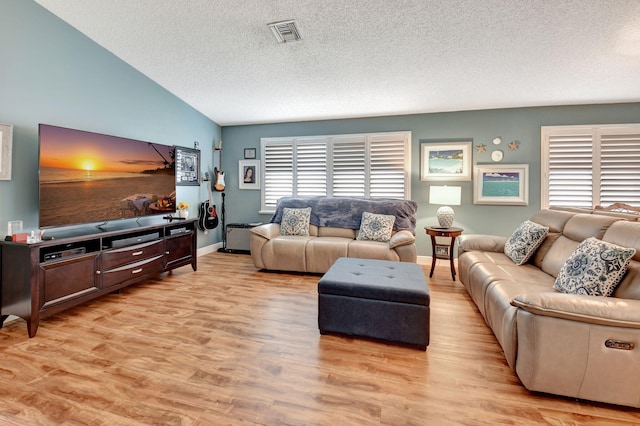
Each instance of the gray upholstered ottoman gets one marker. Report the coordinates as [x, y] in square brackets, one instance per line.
[379, 299]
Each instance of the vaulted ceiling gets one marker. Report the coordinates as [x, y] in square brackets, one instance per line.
[362, 58]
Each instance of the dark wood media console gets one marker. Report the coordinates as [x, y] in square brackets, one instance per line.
[45, 278]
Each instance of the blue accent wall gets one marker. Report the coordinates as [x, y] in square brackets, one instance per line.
[53, 74]
[520, 124]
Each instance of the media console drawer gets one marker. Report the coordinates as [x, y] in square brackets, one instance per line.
[132, 271]
[122, 256]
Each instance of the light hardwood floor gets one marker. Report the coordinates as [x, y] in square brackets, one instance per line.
[229, 344]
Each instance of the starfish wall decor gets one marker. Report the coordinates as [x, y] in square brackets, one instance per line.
[513, 146]
[481, 148]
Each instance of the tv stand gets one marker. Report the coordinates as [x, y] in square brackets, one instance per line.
[42, 279]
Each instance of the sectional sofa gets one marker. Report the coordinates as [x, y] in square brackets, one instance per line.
[577, 345]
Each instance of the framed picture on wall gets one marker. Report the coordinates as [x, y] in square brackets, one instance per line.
[6, 142]
[187, 161]
[249, 153]
[504, 184]
[249, 174]
[445, 161]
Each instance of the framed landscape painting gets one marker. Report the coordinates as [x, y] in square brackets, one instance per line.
[449, 161]
[504, 184]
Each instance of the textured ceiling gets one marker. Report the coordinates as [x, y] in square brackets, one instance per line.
[362, 58]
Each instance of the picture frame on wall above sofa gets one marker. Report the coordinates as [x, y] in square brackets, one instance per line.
[187, 166]
[445, 161]
[504, 184]
[6, 143]
[249, 174]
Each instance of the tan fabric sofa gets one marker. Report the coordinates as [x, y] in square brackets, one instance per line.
[318, 251]
[579, 346]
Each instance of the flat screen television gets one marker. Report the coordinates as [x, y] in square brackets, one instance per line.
[89, 177]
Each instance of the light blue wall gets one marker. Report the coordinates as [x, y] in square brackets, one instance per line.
[522, 125]
[50, 73]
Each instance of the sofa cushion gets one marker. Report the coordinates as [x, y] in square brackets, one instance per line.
[524, 241]
[376, 227]
[595, 268]
[295, 221]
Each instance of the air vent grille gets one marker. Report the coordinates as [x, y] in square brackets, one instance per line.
[285, 31]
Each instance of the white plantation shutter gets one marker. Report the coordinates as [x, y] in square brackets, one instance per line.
[278, 171]
[586, 166]
[364, 165]
[387, 166]
[311, 168]
[348, 177]
[620, 168]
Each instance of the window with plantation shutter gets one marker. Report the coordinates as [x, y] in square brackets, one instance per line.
[363, 165]
[587, 166]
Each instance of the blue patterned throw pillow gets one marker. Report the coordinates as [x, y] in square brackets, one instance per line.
[376, 227]
[524, 241]
[295, 221]
[595, 268]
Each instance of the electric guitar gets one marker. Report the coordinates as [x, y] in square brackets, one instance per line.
[207, 217]
[219, 184]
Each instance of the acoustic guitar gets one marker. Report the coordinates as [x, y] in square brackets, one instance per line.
[207, 217]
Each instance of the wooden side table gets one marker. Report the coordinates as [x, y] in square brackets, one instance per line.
[441, 251]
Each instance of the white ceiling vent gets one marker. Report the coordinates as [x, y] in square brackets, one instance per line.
[285, 31]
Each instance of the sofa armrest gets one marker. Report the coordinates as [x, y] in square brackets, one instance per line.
[481, 242]
[610, 311]
[401, 238]
[267, 231]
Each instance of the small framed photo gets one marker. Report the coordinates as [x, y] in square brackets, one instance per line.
[249, 174]
[445, 161]
[504, 184]
[442, 251]
[250, 153]
[187, 161]
[6, 143]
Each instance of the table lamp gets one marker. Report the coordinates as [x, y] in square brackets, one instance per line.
[445, 196]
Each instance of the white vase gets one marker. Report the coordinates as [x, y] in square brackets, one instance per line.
[184, 213]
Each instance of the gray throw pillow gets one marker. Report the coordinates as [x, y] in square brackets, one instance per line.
[295, 221]
[595, 268]
[524, 241]
[376, 227]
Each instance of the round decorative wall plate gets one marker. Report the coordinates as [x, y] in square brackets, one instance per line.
[497, 155]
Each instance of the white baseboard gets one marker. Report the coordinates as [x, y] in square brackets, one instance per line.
[209, 249]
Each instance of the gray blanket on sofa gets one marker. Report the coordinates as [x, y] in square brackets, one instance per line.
[342, 212]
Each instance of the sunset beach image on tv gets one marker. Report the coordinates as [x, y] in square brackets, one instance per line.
[90, 177]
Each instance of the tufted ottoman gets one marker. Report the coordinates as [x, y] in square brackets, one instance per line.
[378, 299]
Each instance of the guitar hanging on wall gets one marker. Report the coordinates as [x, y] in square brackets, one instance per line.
[207, 217]
[218, 174]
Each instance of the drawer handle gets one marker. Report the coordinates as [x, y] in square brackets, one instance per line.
[619, 344]
[136, 271]
[137, 253]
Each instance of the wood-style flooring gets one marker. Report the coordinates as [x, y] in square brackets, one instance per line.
[232, 345]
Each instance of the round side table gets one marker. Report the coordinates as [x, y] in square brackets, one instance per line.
[441, 251]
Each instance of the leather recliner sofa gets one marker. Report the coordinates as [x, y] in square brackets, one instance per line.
[580, 346]
[331, 237]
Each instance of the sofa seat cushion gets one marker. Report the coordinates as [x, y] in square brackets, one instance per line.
[286, 253]
[322, 252]
[479, 269]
